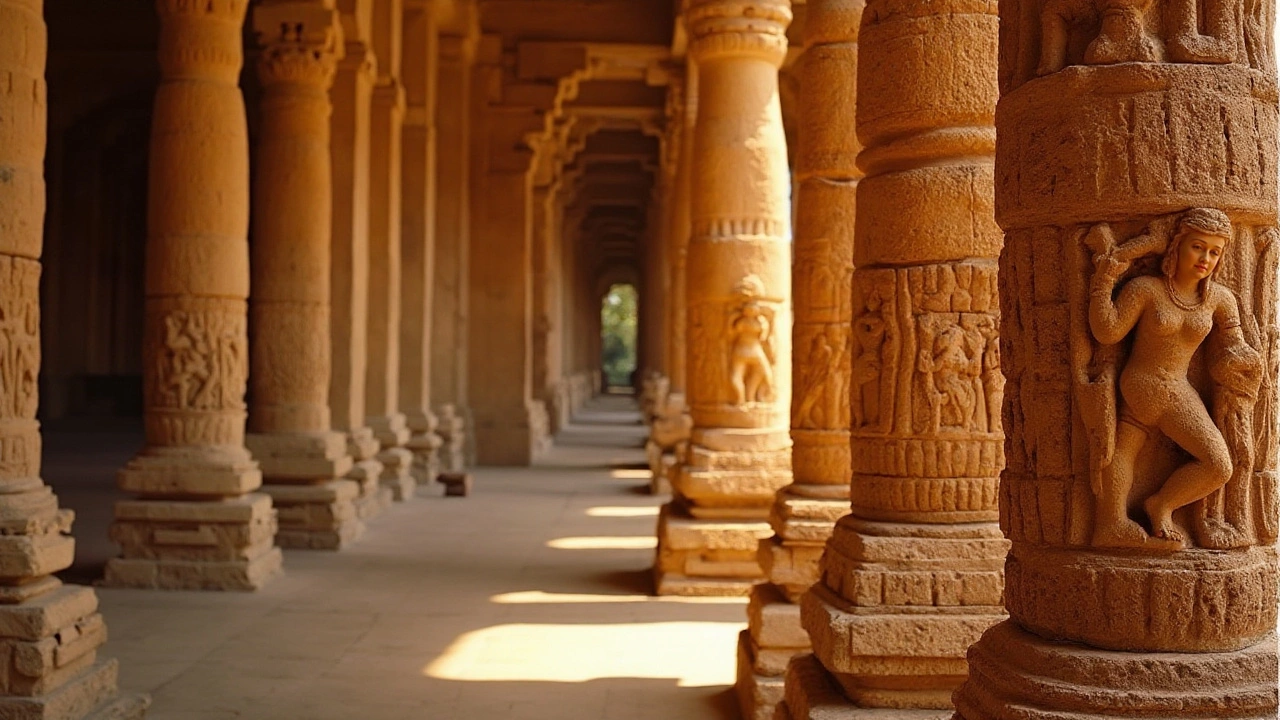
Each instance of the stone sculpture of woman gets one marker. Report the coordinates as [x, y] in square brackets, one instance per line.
[1170, 316]
[751, 355]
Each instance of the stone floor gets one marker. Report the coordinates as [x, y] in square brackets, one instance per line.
[528, 600]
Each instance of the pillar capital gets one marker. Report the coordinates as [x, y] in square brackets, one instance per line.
[201, 38]
[301, 41]
[751, 28]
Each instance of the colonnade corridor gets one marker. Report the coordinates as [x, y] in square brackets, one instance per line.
[528, 599]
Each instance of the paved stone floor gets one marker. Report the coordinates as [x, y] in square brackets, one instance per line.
[526, 601]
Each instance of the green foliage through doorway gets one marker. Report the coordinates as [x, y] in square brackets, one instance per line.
[618, 335]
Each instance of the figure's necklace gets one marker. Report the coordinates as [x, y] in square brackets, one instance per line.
[1173, 295]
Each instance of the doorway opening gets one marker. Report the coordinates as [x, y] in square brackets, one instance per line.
[618, 316]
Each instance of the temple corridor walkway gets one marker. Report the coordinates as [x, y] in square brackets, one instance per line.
[527, 600]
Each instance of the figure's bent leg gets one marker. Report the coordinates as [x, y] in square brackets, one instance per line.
[1193, 430]
[1112, 526]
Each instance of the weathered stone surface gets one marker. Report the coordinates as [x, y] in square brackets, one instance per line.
[1138, 280]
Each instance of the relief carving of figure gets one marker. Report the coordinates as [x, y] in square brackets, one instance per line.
[1121, 37]
[751, 345]
[1168, 317]
[820, 366]
[952, 366]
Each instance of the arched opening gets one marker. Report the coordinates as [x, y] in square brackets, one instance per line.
[618, 319]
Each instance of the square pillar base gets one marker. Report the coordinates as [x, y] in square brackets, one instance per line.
[397, 476]
[89, 694]
[812, 694]
[316, 517]
[191, 545]
[373, 498]
[707, 557]
[758, 693]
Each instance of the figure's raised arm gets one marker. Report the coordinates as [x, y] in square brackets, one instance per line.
[1110, 320]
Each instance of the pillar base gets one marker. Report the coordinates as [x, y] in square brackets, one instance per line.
[396, 476]
[451, 428]
[700, 557]
[1015, 675]
[316, 517]
[426, 457]
[90, 694]
[773, 636]
[191, 470]
[812, 694]
[373, 498]
[188, 545]
[300, 457]
[758, 694]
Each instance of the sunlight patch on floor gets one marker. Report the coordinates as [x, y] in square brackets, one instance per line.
[628, 474]
[538, 597]
[636, 542]
[695, 654]
[622, 511]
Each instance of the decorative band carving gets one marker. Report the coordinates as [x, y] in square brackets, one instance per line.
[876, 494]
[723, 228]
[1192, 601]
[927, 457]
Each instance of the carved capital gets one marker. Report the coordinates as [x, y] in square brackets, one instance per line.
[301, 41]
[227, 10]
[739, 27]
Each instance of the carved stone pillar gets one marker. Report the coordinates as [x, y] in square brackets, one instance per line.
[303, 460]
[382, 389]
[51, 632]
[198, 522]
[739, 313]
[452, 249]
[349, 273]
[417, 241]
[804, 513]
[1140, 494]
[913, 575]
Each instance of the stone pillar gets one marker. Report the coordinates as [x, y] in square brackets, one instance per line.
[739, 306]
[804, 513]
[349, 272]
[198, 522]
[417, 242]
[303, 460]
[452, 249]
[913, 575]
[50, 632]
[1140, 494]
[501, 334]
[686, 86]
[382, 374]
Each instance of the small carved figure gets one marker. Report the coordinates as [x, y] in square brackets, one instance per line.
[751, 343]
[869, 333]
[1170, 316]
[819, 367]
[1121, 38]
[950, 373]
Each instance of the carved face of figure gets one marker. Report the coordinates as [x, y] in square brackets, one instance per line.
[1198, 256]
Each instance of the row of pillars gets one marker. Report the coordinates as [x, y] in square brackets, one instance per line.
[1031, 468]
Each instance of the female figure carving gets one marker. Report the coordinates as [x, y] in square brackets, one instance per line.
[1170, 316]
[751, 354]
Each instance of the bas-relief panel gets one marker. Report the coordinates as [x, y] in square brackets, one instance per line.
[1069, 406]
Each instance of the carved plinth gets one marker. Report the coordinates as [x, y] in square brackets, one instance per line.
[180, 545]
[425, 443]
[316, 517]
[1016, 675]
[699, 556]
[811, 694]
[453, 435]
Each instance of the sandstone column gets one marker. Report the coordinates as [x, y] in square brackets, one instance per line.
[417, 241]
[739, 295]
[452, 241]
[198, 522]
[804, 513]
[382, 374]
[913, 575]
[349, 272]
[1140, 494]
[303, 461]
[51, 632]
[509, 427]
[671, 423]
